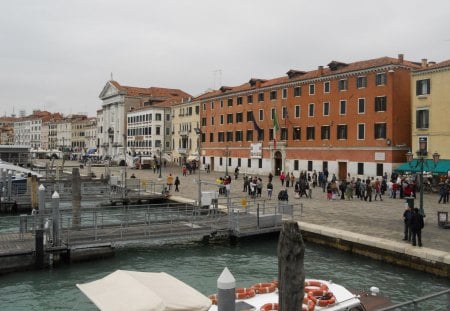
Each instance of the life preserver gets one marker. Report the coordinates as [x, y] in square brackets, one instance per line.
[244, 293]
[322, 298]
[264, 288]
[315, 285]
[308, 304]
[213, 299]
[269, 307]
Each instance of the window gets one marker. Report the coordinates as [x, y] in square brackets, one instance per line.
[221, 137]
[271, 134]
[361, 105]
[220, 161]
[423, 87]
[284, 133]
[239, 100]
[342, 107]
[229, 136]
[239, 162]
[221, 119]
[380, 130]
[197, 109]
[284, 113]
[297, 91]
[230, 118]
[259, 163]
[260, 97]
[211, 137]
[249, 135]
[261, 135]
[326, 87]
[273, 95]
[239, 117]
[273, 112]
[249, 116]
[324, 166]
[325, 132]
[204, 106]
[250, 99]
[311, 110]
[212, 120]
[310, 165]
[361, 82]
[361, 130]
[342, 131]
[284, 93]
[326, 109]
[295, 165]
[297, 111]
[296, 133]
[158, 130]
[360, 168]
[380, 79]
[342, 85]
[380, 103]
[261, 115]
[212, 106]
[203, 121]
[158, 117]
[239, 135]
[312, 89]
[230, 102]
[221, 104]
[422, 118]
[310, 133]
[249, 162]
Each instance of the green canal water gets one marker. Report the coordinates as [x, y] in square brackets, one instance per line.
[250, 261]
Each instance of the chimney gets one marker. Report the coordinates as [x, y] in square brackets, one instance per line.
[320, 70]
[400, 58]
[424, 63]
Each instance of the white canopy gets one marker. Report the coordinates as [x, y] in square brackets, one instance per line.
[131, 290]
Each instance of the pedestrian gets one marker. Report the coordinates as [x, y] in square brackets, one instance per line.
[269, 190]
[282, 178]
[184, 170]
[177, 183]
[407, 215]
[169, 181]
[270, 177]
[292, 179]
[417, 225]
[236, 173]
[259, 186]
[442, 193]
[132, 176]
[378, 190]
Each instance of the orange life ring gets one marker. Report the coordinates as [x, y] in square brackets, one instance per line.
[264, 288]
[315, 285]
[269, 307]
[244, 293]
[213, 299]
[308, 305]
[322, 298]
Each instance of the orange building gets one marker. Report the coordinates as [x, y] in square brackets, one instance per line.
[350, 119]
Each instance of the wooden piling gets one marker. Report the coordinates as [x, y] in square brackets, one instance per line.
[291, 272]
[76, 197]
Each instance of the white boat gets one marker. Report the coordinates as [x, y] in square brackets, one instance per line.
[319, 295]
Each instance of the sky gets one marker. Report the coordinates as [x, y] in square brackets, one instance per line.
[58, 55]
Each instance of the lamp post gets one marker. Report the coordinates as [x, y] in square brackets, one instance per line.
[226, 160]
[421, 162]
[160, 162]
[199, 145]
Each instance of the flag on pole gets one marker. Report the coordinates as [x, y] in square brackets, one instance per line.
[276, 127]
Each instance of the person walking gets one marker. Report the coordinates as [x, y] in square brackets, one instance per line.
[417, 225]
[177, 183]
[442, 193]
[282, 178]
[269, 190]
[378, 190]
[169, 181]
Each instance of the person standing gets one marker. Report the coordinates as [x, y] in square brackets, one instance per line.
[282, 178]
[269, 189]
[442, 193]
[177, 183]
[407, 215]
[417, 225]
[378, 190]
[169, 181]
[184, 170]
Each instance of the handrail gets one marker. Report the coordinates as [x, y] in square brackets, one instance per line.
[415, 302]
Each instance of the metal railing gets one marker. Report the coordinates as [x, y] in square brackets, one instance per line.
[424, 303]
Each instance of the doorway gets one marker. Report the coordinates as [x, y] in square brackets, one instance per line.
[278, 162]
[211, 164]
[342, 170]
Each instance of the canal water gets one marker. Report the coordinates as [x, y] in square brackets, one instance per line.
[250, 261]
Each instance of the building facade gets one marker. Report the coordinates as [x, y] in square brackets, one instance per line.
[349, 119]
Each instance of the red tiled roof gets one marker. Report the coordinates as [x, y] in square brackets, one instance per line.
[343, 68]
[445, 63]
[150, 91]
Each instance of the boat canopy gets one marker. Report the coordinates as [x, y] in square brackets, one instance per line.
[152, 291]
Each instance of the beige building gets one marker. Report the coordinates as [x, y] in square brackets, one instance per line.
[185, 118]
[431, 109]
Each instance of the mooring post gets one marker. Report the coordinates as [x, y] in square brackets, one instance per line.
[41, 205]
[76, 197]
[34, 192]
[291, 272]
[226, 291]
[9, 185]
[39, 247]
[3, 190]
[55, 218]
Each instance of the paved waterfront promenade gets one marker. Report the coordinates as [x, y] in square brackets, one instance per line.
[376, 223]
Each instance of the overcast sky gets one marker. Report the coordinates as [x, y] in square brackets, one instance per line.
[58, 55]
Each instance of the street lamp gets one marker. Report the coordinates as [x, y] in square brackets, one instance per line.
[420, 162]
[199, 144]
[160, 162]
[226, 160]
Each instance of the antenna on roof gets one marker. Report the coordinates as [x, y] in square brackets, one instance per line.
[112, 77]
[217, 73]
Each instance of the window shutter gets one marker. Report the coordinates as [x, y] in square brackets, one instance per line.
[417, 87]
[428, 86]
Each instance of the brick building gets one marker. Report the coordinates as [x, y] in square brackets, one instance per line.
[348, 118]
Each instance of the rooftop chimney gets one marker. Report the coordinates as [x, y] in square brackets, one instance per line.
[400, 58]
[424, 63]
[320, 70]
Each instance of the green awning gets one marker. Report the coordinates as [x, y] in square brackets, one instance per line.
[414, 166]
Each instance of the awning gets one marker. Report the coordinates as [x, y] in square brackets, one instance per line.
[92, 151]
[132, 290]
[441, 168]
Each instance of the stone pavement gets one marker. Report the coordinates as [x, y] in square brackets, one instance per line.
[376, 223]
